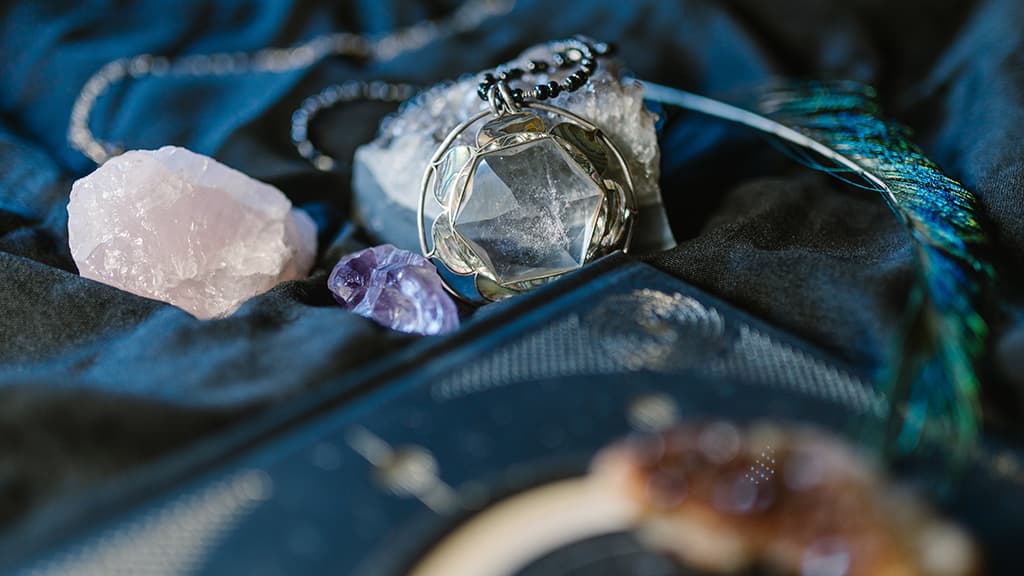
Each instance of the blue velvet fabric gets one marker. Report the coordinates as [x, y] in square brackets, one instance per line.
[94, 381]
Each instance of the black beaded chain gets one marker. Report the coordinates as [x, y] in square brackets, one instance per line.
[580, 52]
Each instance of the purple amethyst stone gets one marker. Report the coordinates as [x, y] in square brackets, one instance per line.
[394, 288]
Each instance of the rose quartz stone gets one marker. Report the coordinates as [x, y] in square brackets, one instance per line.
[180, 227]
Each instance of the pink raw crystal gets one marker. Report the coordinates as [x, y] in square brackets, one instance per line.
[180, 227]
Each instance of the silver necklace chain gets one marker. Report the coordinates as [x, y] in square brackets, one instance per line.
[332, 96]
[579, 52]
[277, 60]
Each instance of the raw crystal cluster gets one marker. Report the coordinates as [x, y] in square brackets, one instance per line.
[388, 171]
[394, 288]
[730, 500]
[180, 227]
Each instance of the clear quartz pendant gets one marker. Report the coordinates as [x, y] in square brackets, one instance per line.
[527, 204]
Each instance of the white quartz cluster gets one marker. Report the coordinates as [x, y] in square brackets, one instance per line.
[388, 171]
[180, 227]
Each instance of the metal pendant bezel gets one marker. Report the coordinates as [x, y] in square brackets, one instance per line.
[451, 170]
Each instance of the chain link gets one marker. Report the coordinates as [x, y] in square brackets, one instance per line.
[275, 60]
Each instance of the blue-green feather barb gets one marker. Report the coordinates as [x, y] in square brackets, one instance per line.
[933, 381]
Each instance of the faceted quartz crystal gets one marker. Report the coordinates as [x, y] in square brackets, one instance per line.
[180, 227]
[529, 211]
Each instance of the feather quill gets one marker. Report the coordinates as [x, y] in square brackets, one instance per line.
[933, 382]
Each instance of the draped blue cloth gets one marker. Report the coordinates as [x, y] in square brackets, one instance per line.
[94, 381]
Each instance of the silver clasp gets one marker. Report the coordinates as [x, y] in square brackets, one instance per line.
[500, 97]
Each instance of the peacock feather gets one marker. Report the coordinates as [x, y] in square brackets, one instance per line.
[933, 380]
